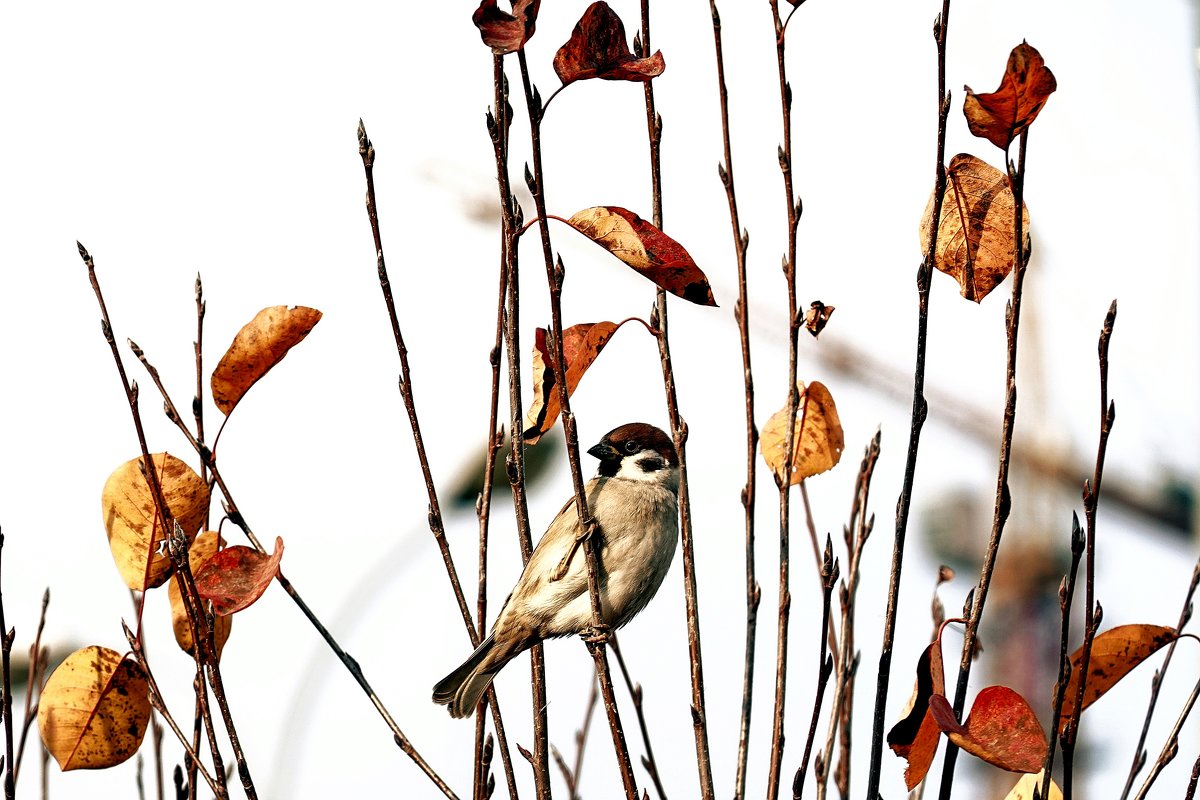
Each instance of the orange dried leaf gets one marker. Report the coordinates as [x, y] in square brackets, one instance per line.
[1004, 114]
[1115, 653]
[582, 344]
[916, 737]
[235, 577]
[131, 520]
[645, 248]
[94, 709]
[1001, 729]
[502, 31]
[1025, 788]
[817, 317]
[975, 233]
[818, 436]
[597, 49]
[259, 345]
[204, 548]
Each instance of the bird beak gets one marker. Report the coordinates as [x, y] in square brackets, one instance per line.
[604, 452]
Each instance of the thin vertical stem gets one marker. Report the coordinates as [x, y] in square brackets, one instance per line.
[555, 273]
[829, 576]
[679, 433]
[920, 410]
[6, 642]
[741, 312]
[1003, 504]
[794, 208]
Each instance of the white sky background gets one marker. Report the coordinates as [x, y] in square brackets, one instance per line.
[172, 141]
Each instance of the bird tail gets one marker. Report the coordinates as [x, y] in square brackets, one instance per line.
[462, 688]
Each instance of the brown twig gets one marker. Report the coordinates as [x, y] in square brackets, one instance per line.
[198, 399]
[818, 563]
[217, 785]
[555, 273]
[679, 433]
[1091, 499]
[499, 120]
[855, 534]
[741, 313]
[1191, 789]
[37, 666]
[794, 209]
[829, 578]
[1170, 747]
[204, 646]
[1066, 597]
[581, 735]
[6, 642]
[1139, 758]
[920, 410]
[1003, 504]
[635, 692]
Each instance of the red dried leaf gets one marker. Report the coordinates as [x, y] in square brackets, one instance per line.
[581, 346]
[597, 49]
[237, 576]
[502, 31]
[1115, 653]
[1004, 114]
[645, 248]
[1001, 729]
[915, 737]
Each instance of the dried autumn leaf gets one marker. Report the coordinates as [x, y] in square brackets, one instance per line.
[1001, 729]
[975, 234]
[1028, 783]
[915, 738]
[1115, 653]
[135, 530]
[94, 709]
[204, 548]
[818, 443]
[597, 49]
[645, 248]
[1004, 114]
[235, 577]
[817, 317]
[504, 32]
[582, 344]
[259, 345]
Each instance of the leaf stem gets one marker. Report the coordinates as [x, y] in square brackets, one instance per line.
[920, 410]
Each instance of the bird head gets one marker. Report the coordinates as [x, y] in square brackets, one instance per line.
[637, 451]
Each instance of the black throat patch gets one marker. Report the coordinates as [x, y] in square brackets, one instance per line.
[609, 467]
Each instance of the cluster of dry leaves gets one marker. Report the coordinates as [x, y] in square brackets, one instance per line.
[95, 707]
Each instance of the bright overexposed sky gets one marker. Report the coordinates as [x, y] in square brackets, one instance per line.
[174, 139]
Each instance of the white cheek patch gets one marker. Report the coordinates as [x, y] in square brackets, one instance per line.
[647, 466]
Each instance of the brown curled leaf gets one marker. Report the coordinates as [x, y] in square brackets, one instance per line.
[504, 32]
[819, 441]
[94, 709]
[817, 317]
[975, 234]
[1001, 116]
[645, 248]
[259, 345]
[582, 344]
[1115, 653]
[916, 736]
[597, 49]
[235, 577]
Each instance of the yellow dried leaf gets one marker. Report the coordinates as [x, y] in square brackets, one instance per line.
[1024, 788]
[135, 531]
[818, 436]
[259, 345]
[204, 548]
[975, 234]
[94, 709]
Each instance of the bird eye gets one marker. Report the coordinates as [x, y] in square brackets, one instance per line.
[631, 446]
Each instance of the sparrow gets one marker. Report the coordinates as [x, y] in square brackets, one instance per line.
[634, 499]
